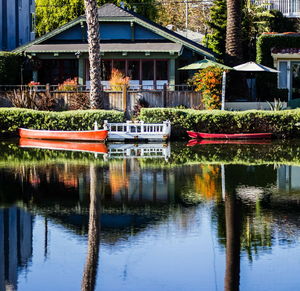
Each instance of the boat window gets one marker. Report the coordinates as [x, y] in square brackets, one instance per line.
[132, 129]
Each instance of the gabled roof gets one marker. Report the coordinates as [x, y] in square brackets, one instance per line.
[111, 12]
[108, 47]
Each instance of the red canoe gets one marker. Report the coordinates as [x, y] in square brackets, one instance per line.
[63, 145]
[202, 135]
[194, 142]
[90, 135]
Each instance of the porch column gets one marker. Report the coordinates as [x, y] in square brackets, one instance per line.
[172, 74]
[81, 71]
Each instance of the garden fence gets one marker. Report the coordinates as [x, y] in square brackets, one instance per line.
[124, 100]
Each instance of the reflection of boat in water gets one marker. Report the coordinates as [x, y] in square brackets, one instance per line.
[64, 145]
[194, 142]
[203, 135]
[154, 150]
[89, 135]
[148, 150]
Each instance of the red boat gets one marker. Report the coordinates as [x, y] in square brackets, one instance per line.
[202, 135]
[64, 145]
[194, 142]
[90, 135]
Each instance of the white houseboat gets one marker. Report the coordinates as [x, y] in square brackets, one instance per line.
[138, 131]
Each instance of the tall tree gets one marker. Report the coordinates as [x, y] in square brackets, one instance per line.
[216, 37]
[51, 14]
[92, 21]
[234, 32]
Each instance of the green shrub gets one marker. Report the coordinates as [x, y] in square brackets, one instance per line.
[268, 41]
[10, 68]
[281, 123]
[13, 118]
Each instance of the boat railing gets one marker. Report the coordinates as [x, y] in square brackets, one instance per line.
[139, 127]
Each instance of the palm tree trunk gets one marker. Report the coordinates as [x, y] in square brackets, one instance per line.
[94, 53]
[91, 265]
[234, 51]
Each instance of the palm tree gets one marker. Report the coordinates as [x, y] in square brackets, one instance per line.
[94, 53]
[234, 32]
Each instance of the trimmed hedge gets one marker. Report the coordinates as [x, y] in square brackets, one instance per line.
[13, 118]
[10, 68]
[268, 41]
[281, 123]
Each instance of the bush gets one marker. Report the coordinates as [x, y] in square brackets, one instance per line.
[209, 82]
[118, 80]
[13, 118]
[281, 123]
[10, 68]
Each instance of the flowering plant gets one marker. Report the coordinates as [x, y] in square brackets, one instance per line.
[68, 85]
[209, 82]
[118, 80]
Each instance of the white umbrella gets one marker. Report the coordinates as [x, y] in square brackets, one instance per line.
[254, 67]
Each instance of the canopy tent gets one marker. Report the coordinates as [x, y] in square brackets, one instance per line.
[204, 64]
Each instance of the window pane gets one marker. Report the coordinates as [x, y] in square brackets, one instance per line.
[161, 70]
[148, 72]
[134, 70]
[106, 70]
[283, 75]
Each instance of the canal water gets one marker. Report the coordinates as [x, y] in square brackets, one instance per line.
[150, 217]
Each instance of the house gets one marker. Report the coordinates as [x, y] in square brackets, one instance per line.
[284, 50]
[16, 23]
[143, 50]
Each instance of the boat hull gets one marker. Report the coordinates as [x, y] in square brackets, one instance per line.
[194, 142]
[202, 135]
[89, 135]
[91, 147]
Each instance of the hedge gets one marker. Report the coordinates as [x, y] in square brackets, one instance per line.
[10, 68]
[284, 123]
[268, 41]
[13, 118]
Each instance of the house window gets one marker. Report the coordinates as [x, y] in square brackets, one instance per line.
[283, 75]
[106, 69]
[161, 70]
[148, 70]
[133, 70]
[119, 65]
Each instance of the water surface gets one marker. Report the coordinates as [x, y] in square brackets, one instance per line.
[152, 217]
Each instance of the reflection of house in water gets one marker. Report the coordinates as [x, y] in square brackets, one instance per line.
[128, 182]
[15, 245]
[288, 178]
